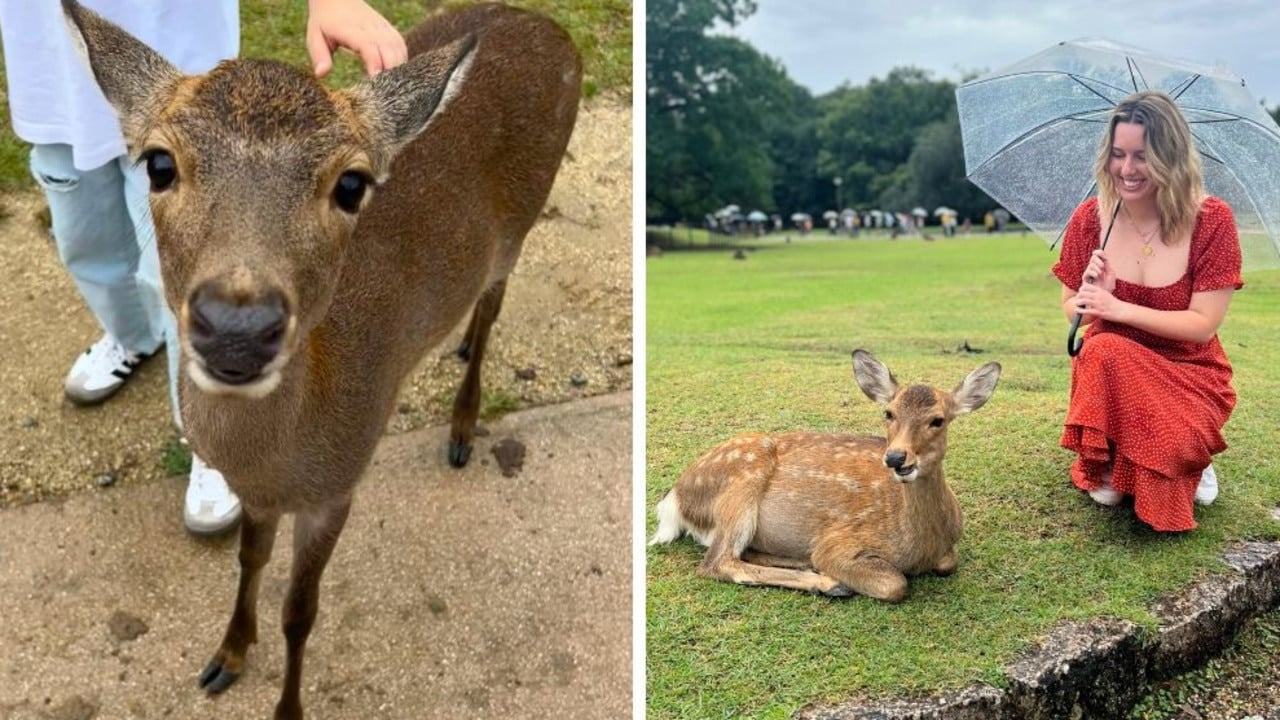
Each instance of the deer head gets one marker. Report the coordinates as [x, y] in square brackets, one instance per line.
[917, 416]
[258, 176]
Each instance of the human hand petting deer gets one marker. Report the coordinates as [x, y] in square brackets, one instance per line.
[354, 25]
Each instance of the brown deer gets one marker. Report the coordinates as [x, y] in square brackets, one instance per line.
[832, 513]
[315, 243]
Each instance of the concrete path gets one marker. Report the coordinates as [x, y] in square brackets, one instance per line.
[451, 593]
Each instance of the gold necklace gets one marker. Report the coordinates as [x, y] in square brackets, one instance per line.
[1145, 237]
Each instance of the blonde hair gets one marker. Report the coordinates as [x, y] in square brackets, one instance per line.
[1172, 162]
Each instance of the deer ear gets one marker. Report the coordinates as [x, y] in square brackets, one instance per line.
[976, 389]
[873, 377]
[128, 72]
[399, 103]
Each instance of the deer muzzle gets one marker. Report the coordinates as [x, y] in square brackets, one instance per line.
[899, 462]
[236, 344]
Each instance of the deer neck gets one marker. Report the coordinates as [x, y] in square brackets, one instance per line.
[242, 436]
[931, 518]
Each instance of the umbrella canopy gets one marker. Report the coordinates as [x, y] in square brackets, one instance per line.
[799, 217]
[1031, 133]
[848, 212]
[920, 212]
[944, 210]
[757, 216]
[828, 215]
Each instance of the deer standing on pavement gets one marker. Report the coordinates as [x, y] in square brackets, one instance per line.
[832, 513]
[315, 243]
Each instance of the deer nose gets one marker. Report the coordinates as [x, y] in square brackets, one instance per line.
[894, 459]
[235, 341]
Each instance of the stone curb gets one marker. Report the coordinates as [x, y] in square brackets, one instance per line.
[1099, 669]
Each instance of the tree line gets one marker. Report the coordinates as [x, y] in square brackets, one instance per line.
[726, 125]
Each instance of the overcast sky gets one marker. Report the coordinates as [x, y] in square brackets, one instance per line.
[823, 43]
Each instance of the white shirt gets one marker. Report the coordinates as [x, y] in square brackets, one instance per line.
[52, 95]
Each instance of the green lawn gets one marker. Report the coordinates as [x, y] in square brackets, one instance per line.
[763, 344]
[274, 29]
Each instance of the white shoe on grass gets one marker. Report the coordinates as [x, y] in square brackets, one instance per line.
[1105, 494]
[1207, 490]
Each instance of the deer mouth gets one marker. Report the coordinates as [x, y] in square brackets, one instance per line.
[906, 473]
[229, 381]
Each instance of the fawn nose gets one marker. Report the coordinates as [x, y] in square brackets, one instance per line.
[235, 341]
[895, 459]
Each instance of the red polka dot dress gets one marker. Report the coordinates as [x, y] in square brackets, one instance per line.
[1151, 407]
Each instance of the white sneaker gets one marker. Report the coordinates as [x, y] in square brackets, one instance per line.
[210, 507]
[100, 371]
[1207, 490]
[1106, 495]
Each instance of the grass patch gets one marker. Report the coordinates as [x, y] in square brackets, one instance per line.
[175, 457]
[275, 29]
[496, 403]
[764, 344]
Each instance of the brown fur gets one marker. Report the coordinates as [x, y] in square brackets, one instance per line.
[823, 512]
[259, 148]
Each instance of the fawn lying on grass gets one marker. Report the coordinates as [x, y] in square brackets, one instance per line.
[316, 243]
[832, 513]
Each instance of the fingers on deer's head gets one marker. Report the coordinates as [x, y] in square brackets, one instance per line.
[258, 175]
[917, 416]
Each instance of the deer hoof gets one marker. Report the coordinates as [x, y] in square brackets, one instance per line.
[216, 678]
[839, 590]
[459, 453]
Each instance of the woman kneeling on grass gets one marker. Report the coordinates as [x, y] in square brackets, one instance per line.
[1151, 387]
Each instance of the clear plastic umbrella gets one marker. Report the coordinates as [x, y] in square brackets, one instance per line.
[1031, 133]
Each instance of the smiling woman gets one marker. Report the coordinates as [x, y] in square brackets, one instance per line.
[1151, 389]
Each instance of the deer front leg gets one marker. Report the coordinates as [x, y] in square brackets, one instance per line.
[257, 536]
[865, 574]
[947, 564]
[466, 406]
[315, 533]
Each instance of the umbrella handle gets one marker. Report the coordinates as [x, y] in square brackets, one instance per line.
[1073, 346]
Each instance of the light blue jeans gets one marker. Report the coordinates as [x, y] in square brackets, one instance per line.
[102, 227]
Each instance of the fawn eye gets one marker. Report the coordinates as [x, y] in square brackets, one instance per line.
[350, 190]
[161, 169]
[888, 415]
[937, 422]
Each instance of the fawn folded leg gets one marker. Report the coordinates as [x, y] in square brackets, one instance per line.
[947, 564]
[257, 536]
[723, 560]
[755, 557]
[864, 573]
[315, 533]
[466, 406]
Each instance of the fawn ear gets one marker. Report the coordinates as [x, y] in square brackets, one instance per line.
[399, 103]
[873, 377]
[129, 73]
[974, 391]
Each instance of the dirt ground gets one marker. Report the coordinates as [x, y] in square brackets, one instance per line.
[567, 317]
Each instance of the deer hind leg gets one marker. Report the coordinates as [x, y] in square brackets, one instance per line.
[466, 406]
[314, 536]
[755, 557]
[724, 560]
[257, 536]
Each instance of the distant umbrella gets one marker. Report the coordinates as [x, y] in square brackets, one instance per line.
[920, 212]
[944, 210]
[757, 216]
[830, 214]
[800, 217]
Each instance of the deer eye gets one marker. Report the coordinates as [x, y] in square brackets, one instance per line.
[161, 169]
[350, 190]
[888, 416]
[937, 422]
